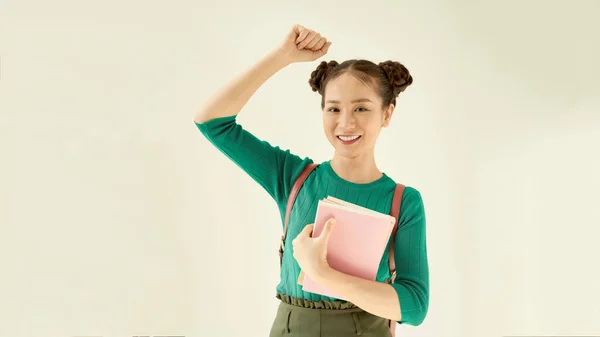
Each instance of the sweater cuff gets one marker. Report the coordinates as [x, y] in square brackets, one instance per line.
[412, 308]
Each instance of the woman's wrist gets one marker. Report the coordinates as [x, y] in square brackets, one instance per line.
[278, 58]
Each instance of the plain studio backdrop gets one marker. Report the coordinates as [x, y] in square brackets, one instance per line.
[119, 219]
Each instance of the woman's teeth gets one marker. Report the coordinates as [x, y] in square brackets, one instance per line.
[348, 138]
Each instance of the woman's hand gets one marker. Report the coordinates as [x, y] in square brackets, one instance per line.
[311, 253]
[303, 45]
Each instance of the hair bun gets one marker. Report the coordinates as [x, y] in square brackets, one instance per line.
[318, 76]
[398, 76]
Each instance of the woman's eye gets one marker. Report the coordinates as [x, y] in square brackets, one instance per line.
[337, 110]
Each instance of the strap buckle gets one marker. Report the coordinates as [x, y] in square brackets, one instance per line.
[392, 277]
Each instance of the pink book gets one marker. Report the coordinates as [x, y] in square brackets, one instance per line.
[356, 244]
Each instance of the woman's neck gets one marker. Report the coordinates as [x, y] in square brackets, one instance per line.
[359, 170]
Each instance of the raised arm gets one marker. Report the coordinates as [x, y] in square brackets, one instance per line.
[272, 168]
[229, 100]
[300, 45]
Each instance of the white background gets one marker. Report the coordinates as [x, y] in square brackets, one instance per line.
[118, 218]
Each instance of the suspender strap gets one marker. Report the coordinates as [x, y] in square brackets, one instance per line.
[291, 199]
[395, 212]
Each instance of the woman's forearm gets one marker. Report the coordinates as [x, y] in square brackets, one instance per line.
[230, 99]
[377, 298]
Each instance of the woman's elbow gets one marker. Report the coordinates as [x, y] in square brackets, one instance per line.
[417, 307]
[417, 317]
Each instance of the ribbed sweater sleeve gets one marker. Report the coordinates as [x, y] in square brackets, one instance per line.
[271, 167]
[410, 256]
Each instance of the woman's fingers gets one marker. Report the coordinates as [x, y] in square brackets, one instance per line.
[309, 38]
[317, 44]
[302, 34]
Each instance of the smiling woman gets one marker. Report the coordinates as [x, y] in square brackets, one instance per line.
[352, 127]
[358, 100]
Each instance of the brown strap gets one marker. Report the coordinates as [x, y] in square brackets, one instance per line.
[395, 212]
[290, 203]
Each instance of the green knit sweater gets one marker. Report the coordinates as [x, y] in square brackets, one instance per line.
[276, 170]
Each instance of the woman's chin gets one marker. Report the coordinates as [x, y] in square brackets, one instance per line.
[346, 153]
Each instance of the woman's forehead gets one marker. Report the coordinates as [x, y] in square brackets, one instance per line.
[347, 88]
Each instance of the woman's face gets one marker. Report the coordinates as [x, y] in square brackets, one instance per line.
[353, 116]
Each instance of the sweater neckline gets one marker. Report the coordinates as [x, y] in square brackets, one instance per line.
[328, 170]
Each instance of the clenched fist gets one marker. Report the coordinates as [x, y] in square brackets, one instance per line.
[303, 45]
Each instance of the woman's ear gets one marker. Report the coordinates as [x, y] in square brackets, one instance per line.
[387, 115]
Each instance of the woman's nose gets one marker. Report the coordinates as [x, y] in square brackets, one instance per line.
[347, 121]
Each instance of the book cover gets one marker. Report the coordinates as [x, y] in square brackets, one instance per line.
[356, 244]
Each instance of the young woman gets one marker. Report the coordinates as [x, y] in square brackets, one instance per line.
[358, 100]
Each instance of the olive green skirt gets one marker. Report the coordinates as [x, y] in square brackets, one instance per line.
[302, 318]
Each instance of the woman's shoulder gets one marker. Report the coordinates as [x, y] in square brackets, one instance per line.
[411, 195]
[412, 208]
[412, 192]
